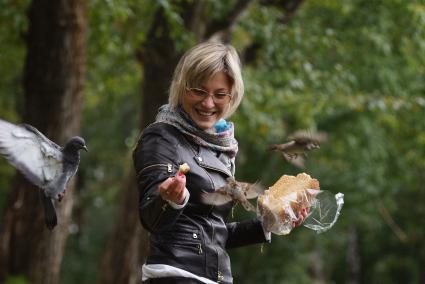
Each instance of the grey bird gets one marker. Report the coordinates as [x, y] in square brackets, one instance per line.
[300, 142]
[234, 190]
[41, 161]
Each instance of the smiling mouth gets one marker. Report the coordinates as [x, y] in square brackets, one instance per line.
[205, 113]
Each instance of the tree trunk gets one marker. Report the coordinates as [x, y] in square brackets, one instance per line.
[159, 58]
[120, 262]
[127, 247]
[353, 257]
[53, 83]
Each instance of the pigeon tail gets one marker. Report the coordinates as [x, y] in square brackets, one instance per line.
[49, 211]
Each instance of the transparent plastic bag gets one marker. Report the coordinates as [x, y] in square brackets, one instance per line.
[324, 211]
[278, 214]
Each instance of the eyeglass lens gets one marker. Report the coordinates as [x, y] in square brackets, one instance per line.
[220, 97]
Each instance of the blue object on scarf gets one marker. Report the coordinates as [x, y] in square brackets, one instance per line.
[221, 126]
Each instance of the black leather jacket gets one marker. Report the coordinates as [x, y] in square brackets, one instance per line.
[194, 238]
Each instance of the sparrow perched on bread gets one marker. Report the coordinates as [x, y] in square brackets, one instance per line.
[234, 190]
[300, 142]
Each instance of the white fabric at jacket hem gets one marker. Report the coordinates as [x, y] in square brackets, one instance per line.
[163, 270]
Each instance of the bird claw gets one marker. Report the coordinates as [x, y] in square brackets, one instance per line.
[292, 156]
[61, 195]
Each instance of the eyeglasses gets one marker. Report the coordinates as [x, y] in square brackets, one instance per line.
[220, 98]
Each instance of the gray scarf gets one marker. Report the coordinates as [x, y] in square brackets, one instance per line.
[221, 140]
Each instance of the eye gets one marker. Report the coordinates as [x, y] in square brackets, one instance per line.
[199, 92]
[220, 96]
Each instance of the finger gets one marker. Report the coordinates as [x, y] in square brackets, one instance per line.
[180, 196]
[176, 196]
[297, 223]
[300, 219]
[165, 188]
[181, 179]
[166, 183]
[178, 184]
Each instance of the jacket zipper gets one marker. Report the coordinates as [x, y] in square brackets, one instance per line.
[168, 165]
[199, 248]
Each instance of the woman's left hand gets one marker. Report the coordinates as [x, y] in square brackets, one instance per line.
[301, 216]
[173, 189]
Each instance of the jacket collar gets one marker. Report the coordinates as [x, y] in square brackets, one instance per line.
[208, 159]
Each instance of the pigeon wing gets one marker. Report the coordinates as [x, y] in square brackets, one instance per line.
[27, 149]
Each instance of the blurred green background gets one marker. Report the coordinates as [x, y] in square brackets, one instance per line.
[354, 69]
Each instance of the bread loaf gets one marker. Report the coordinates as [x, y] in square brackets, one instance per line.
[280, 204]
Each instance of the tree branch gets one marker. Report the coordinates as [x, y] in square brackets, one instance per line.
[288, 6]
[224, 24]
[401, 235]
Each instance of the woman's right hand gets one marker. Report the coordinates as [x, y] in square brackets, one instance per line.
[173, 189]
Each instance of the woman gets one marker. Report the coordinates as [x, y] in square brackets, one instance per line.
[188, 238]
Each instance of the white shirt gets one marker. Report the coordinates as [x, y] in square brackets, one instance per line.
[163, 270]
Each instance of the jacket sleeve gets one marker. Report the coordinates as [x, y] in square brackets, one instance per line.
[155, 159]
[245, 233]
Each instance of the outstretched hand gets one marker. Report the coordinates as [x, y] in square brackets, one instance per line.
[173, 189]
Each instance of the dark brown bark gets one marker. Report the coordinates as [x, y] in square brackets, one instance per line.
[159, 60]
[53, 82]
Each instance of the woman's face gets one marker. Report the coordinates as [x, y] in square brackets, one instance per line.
[207, 104]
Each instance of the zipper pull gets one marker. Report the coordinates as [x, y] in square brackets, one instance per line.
[169, 168]
[199, 248]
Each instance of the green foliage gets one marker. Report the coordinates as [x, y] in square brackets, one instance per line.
[335, 69]
[16, 280]
[13, 24]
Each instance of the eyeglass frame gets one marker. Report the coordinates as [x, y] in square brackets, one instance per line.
[208, 94]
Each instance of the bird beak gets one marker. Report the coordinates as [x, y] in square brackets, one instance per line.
[85, 148]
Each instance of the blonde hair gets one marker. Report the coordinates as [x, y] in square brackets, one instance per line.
[202, 62]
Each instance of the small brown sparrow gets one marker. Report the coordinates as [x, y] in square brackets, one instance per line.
[301, 141]
[234, 190]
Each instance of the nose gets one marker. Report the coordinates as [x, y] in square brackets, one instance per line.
[208, 102]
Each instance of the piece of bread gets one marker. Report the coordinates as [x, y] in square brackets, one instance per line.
[280, 204]
[184, 168]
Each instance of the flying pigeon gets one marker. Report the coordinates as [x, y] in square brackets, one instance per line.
[41, 161]
[234, 190]
[301, 141]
